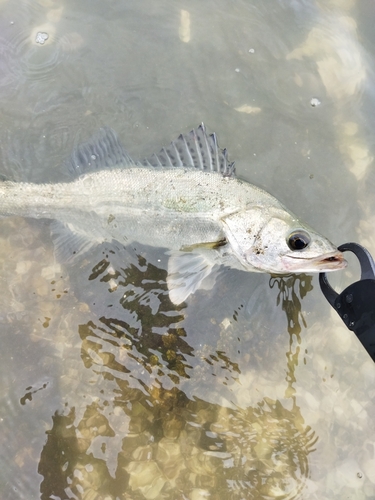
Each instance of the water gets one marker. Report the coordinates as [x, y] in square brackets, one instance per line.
[255, 390]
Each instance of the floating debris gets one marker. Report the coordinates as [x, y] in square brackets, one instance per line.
[315, 102]
[41, 37]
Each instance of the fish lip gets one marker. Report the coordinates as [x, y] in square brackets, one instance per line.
[332, 261]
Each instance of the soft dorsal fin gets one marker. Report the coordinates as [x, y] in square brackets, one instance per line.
[102, 150]
[196, 150]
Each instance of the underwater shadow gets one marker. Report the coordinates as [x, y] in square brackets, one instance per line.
[139, 435]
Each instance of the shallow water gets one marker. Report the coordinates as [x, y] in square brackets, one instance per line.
[253, 390]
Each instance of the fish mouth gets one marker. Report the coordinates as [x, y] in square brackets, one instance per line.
[324, 263]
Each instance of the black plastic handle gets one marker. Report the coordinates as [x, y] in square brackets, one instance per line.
[356, 304]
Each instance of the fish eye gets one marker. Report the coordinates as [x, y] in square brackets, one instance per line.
[298, 240]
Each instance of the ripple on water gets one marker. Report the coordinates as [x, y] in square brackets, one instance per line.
[127, 424]
[30, 56]
[38, 60]
[8, 72]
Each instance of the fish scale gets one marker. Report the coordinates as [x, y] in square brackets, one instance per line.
[186, 198]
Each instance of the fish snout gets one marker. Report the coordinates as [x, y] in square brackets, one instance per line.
[332, 262]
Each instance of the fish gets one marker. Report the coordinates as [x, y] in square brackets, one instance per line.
[186, 199]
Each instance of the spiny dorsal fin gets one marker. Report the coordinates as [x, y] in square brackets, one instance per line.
[195, 150]
[102, 150]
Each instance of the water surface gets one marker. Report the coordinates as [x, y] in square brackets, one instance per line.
[253, 390]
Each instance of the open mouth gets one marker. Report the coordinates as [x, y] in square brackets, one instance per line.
[324, 263]
[332, 261]
[335, 258]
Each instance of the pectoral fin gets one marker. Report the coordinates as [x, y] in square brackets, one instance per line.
[210, 245]
[186, 273]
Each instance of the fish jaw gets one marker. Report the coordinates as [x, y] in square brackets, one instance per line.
[333, 261]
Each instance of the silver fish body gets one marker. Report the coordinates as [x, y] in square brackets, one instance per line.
[186, 199]
[166, 207]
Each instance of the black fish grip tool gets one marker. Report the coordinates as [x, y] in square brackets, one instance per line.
[356, 304]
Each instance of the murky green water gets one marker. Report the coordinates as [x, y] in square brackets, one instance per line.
[253, 390]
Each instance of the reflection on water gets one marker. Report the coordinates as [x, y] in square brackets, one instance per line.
[166, 444]
[289, 301]
[171, 446]
[253, 390]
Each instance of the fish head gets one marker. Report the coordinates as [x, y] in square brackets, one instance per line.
[271, 239]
